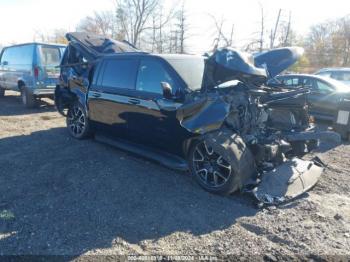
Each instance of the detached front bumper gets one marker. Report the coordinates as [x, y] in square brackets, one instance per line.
[288, 181]
[295, 176]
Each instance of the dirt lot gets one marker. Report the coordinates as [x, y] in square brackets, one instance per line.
[62, 196]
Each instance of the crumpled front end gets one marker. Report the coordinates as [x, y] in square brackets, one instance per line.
[274, 126]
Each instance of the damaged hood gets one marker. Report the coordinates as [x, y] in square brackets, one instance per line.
[94, 46]
[278, 60]
[228, 64]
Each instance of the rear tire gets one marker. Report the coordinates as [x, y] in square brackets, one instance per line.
[77, 121]
[221, 163]
[28, 99]
[2, 92]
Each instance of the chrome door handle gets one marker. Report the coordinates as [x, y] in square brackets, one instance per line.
[134, 101]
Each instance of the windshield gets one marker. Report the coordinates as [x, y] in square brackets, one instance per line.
[50, 55]
[190, 68]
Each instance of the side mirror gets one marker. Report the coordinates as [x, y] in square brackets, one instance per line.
[5, 63]
[167, 90]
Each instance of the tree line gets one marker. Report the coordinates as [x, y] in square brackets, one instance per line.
[327, 45]
[150, 26]
[144, 23]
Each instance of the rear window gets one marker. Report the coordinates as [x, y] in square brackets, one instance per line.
[325, 73]
[50, 55]
[341, 75]
[18, 55]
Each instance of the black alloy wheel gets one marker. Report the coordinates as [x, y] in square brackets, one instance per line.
[77, 122]
[212, 170]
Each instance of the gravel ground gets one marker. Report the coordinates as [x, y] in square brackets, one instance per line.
[66, 197]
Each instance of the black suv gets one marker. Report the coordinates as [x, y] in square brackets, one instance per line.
[183, 111]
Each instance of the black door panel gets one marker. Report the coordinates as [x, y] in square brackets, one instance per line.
[110, 112]
[108, 99]
[153, 124]
[152, 120]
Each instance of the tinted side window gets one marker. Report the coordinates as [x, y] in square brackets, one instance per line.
[326, 74]
[341, 76]
[9, 56]
[119, 73]
[50, 56]
[338, 76]
[150, 75]
[346, 76]
[19, 55]
[5, 55]
[324, 87]
[291, 82]
[307, 82]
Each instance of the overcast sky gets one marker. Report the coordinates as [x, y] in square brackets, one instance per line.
[19, 19]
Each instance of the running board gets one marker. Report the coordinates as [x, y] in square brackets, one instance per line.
[163, 158]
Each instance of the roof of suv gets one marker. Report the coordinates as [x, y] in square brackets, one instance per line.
[177, 56]
[164, 56]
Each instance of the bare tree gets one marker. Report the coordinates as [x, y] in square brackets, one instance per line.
[288, 31]
[257, 43]
[134, 16]
[274, 31]
[262, 30]
[102, 23]
[182, 28]
[328, 43]
[59, 36]
[56, 36]
[344, 39]
[221, 37]
[157, 35]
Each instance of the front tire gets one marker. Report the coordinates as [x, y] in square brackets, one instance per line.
[77, 121]
[221, 163]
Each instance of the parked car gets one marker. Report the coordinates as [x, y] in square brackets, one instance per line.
[325, 95]
[30, 69]
[170, 108]
[341, 74]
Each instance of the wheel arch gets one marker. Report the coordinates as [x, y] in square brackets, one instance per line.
[188, 143]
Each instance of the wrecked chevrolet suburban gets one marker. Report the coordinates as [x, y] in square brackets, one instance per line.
[211, 115]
